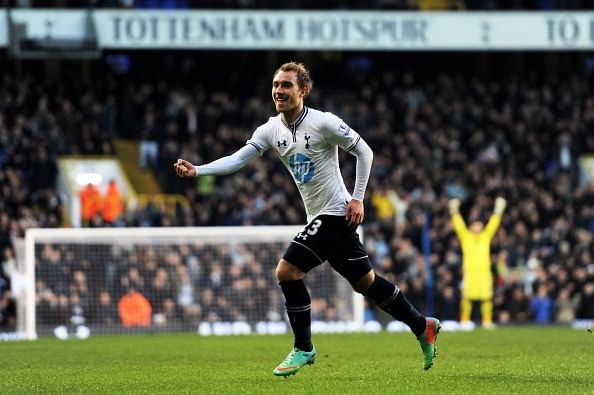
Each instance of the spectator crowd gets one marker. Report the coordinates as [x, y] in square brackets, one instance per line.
[435, 136]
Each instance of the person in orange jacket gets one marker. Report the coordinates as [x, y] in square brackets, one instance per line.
[113, 206]
[135, 310]
[90, 203]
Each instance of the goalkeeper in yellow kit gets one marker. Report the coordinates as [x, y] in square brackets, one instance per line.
[475, 242]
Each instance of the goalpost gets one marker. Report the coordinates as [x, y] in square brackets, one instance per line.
[210, 280]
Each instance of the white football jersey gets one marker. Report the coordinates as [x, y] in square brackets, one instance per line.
[309, 149]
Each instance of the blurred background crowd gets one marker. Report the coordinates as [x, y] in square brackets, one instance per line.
[441, 126]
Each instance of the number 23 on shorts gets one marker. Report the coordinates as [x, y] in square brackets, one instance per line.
[310, 229]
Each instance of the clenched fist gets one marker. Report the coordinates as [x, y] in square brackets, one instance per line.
[183, 168]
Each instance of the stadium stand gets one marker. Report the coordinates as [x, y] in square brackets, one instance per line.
[438, 132]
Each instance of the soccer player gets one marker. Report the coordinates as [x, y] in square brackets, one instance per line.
[477, 279]
[306, 141]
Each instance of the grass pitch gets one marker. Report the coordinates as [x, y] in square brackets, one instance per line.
[520, 360]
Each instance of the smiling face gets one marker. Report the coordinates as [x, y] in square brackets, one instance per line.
[287, 94]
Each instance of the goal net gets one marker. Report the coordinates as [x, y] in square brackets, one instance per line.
[215, 280]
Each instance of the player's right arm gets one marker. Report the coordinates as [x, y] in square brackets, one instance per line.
[225, 165]
[255, 147]
[457, 221]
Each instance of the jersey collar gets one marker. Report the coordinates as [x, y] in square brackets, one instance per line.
[298, 121]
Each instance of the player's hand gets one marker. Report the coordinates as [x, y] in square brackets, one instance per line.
[500, 204]
[355, 212]
[454, 206]
[183, 168]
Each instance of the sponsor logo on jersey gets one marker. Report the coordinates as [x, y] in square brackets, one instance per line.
[302, 167]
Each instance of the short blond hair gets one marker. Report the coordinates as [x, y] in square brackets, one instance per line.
[303, 78]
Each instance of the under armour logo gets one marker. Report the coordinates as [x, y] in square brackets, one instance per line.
[307, 141]
[283, 144]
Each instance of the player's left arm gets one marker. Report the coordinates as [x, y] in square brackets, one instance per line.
[337, 132]
[355, 211]
[495, 220]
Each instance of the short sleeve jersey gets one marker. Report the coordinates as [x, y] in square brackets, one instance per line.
[309, 150]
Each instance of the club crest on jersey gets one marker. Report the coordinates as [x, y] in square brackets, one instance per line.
[344, 129]
[307, 137]
[302, 168]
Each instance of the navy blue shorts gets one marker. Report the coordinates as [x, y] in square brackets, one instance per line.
[329, 238]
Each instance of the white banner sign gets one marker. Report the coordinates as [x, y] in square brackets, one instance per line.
[316, 30]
